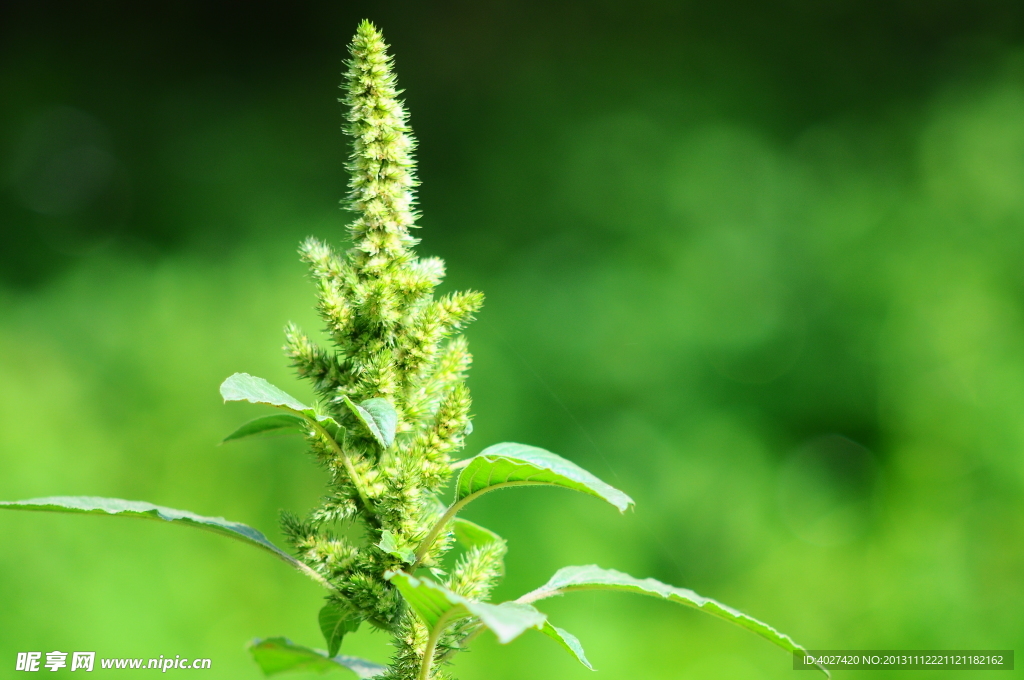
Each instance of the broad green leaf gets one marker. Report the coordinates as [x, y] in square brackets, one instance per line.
[245, 387]
[507, 620]
[505, 465]
[569, 641]
[140, 509]
[336, 622]
[278, 654]
[592, 577]
[379, 418]
[435, 605]
[267, 425]
[470, 534]
[389, 544]
[511, 464]
[430, 601]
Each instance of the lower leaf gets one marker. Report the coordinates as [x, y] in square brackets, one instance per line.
[94, 505]
[592, 577]
[267, 425]
[437, 606]
[280, 655]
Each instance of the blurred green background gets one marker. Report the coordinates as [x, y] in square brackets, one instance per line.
[757, 264]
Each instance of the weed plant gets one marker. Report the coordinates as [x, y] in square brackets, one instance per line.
[391, 415]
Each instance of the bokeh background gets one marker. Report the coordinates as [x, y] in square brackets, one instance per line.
[757, 264]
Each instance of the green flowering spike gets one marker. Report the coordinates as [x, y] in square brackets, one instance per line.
[389, 344]
[382, 165]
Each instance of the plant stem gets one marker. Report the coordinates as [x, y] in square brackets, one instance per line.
[308, 571]
[428, 541]
[465, 641]
[343, 455]
[436, 529]
[428, 653]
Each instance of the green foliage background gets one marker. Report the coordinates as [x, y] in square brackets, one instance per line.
[759, 265]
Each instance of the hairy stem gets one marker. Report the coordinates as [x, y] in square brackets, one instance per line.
[428, 654]
[450, 513]
[462, 644]
[343, 455]
[310, 572]
[428, 541]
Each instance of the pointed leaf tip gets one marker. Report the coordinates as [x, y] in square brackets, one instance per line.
[335, 623]
[511, 464]
[568, 641]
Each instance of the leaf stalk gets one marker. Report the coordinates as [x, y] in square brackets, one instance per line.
[346, 461]
[453, 510]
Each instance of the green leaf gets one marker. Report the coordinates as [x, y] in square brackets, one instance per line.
[378, 416]
[510, 464]
[507, 620]
[505, 465]
[245, 387]
[142, 510]
[436, 605]
[389, 544]
[278, 654]
[569, 641]
[470, 534]
[335, 622]
[592, 577]
[267, 425]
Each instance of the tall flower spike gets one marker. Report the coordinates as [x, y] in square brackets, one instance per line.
[390, 340]
[382, 165]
